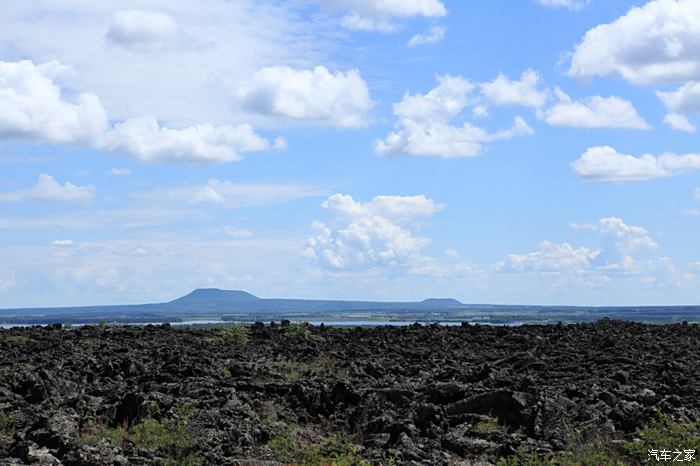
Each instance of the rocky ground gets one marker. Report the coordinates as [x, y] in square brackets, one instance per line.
[601, 393]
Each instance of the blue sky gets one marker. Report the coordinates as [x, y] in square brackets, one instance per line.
[539, 151]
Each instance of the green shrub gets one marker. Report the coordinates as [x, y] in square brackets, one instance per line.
[490, 425]
[169, 437]
[662, 433]
[303, 331]
[7, 425]
[294, 370]
[236, 333]
[283, 448]
[581, 457]
[96, 432]
[332, 451]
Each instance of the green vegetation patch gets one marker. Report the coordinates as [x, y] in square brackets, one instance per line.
[664, 434]
[318, 367]
[96, 432]
[490, 425]
[18, 339]
[331, 451]
[583, 457]
[302, 331]
[170, 438]
[230, 333]
[7, 425]
[661, 434]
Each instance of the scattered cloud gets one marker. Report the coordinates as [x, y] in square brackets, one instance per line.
[147, 31]
[145, 140]
[604, 163]
[623, 249]
[356, 22]
[62, 242]
[34, 109]
[48, 189]
[369, 15]
[658, 42]
[7, 280]
[318, 95]
[238, 233]
[379, 233]
[550, 257]
[152, 67]
[425, 129]
[227, 194]
[679, 122]
[524, 92]
[119, 171]
[435, 35]
[593, 112]
[684, 100]
[570, 4]
[679, 103]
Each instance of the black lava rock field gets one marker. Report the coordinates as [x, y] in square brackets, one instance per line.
[606, 393]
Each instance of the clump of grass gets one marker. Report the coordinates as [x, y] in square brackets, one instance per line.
[185, 411]
[302, 331]
[283, 447]
[660, 434]
[236, 333]
[663, 433]
[224, 371]
[96, 432]
[293, 370]
[583, 457]
[18, 339]
[331, 451]
[169, 437]
[490, 425]
[7, 425]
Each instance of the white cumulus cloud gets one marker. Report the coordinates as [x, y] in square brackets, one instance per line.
[623, 249]
[604, 163]
[550, 257]
[379, 233]
[435, 35]
[686, 99]
[319, 95]
[33, 108]
[425, 129]
[369, 15]
[48, 189]
[658, 42]
[593, 112]
[144, 139]
[524, 91]
[679, 122]
[683, 101]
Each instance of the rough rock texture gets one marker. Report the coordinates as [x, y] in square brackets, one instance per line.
[407, 395]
